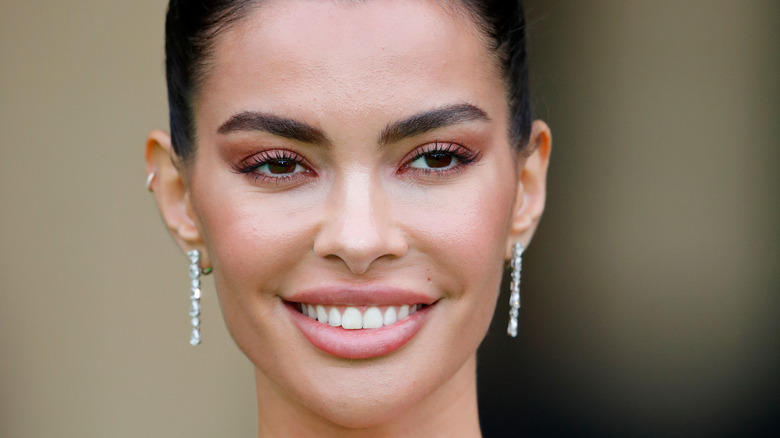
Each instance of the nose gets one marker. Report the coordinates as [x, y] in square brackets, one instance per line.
[358, 227]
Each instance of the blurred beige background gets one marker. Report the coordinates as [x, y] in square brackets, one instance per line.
[650, 294]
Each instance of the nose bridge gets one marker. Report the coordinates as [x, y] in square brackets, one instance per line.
[358, 227]
[358, 196]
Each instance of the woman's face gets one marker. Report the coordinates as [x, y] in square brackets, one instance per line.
[355, 156]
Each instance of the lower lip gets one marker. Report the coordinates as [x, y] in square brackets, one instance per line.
[358, 344]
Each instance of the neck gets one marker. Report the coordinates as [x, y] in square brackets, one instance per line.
[451, 410]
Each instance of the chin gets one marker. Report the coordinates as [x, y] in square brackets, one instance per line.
[354, 394]
[366, 412]
[377, 392]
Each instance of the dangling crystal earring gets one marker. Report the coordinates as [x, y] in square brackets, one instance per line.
[514, 287]
[194, 257]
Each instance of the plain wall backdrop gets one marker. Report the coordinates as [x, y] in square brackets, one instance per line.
[650, 294]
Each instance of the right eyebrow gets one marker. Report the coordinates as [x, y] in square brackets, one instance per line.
[276, 125]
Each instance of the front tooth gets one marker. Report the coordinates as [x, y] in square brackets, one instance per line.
[322, 314]
[311, 312]
[352, 319]
[334, 317]
[372, 319]
[390, 316]
[403, 312]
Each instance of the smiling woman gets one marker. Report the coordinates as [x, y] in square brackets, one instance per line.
[355, 173]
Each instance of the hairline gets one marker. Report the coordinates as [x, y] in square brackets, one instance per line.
[245, 11]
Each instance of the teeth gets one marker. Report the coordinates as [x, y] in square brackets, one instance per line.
[334, 318]
[372, 318]
[322, 314]
[390, 316]
[354, 318]
[312, 313]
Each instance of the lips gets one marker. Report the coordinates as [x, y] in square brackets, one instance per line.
[359, 324]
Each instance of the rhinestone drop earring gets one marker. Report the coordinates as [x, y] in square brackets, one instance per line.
[514, 288]
[194, 257]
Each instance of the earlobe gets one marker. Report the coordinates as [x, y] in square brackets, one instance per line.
[532, 187]
[171, 193]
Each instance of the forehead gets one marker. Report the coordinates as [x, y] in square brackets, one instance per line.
[313, 56]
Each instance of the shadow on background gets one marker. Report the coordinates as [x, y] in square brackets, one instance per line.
[651, 292]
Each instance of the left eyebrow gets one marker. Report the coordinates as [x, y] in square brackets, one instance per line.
[427, 121]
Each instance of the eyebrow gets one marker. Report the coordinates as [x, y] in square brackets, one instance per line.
[412, 126]
[431, 120]
[276, 125]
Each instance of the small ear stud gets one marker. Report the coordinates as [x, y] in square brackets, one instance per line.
[149, 180]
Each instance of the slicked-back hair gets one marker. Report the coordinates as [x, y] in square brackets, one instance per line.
[192, 27]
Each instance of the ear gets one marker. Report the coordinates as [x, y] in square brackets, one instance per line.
[171, 193]
[531, 187]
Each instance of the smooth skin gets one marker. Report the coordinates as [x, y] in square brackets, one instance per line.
[355, 207]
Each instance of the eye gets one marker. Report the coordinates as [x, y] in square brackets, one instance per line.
[274, 166]
[435, 160]
[279, 167]
[441, 158]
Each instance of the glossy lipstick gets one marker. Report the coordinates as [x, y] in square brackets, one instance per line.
[361, 343]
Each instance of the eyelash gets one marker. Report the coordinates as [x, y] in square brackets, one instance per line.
[464, 155]
[248, 166]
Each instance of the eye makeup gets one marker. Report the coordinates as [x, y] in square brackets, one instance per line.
[279, 166]
[440, 159]
[284, 167]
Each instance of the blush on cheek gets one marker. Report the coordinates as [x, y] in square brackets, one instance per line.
[466, 229]
[256, 240]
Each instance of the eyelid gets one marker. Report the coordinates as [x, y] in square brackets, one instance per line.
[464, 154]
[248, 165]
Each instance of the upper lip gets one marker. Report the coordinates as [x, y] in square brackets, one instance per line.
[374, 295]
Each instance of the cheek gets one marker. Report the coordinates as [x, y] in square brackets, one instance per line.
[255, 245]
[462, 231]
[254, 239]
[465, 229]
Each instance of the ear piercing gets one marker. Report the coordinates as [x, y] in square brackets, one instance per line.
[149, 179]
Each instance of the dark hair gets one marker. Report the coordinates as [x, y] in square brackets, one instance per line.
[191, 28]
